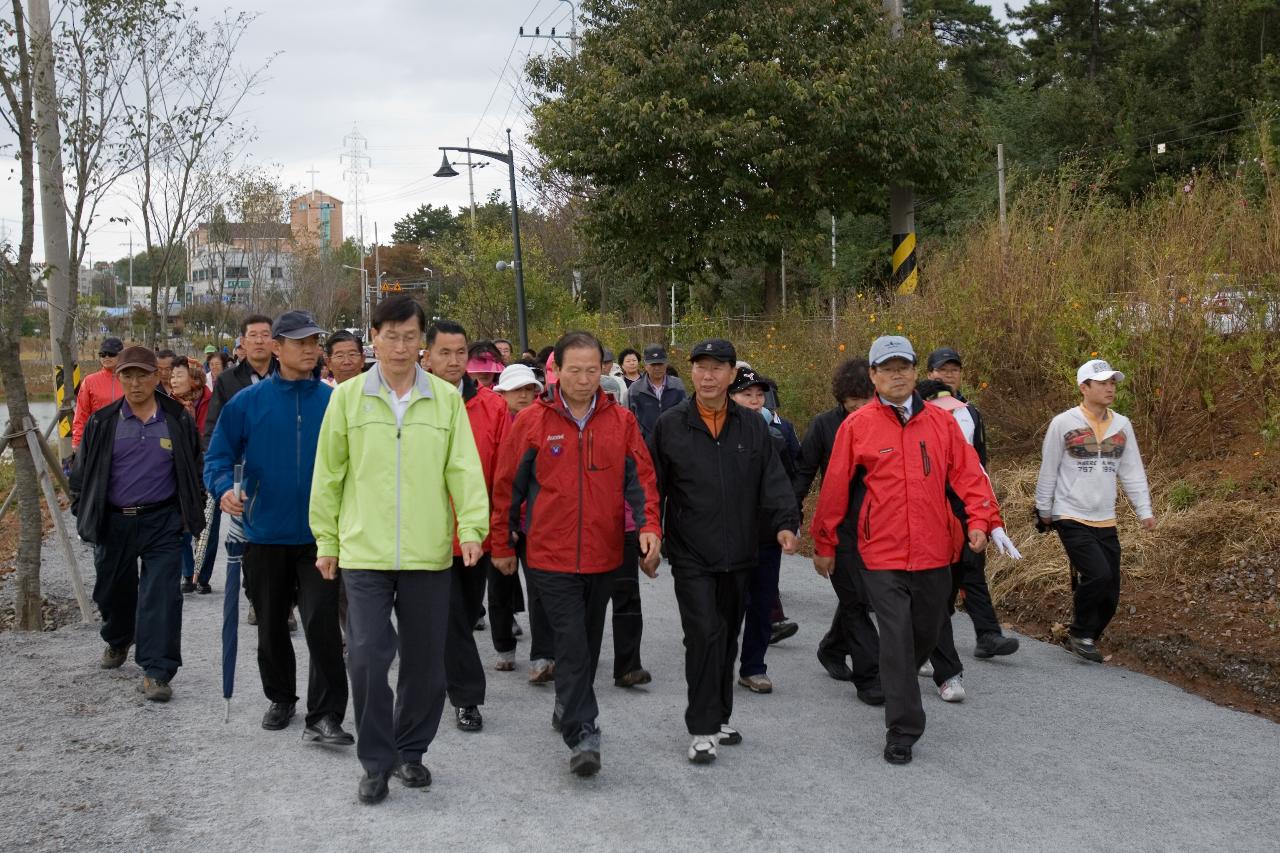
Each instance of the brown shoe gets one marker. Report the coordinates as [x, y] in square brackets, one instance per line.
[542, 672]
[757, 683]
[634, 678]
[155, 690]
[506, 662]
[113, 658]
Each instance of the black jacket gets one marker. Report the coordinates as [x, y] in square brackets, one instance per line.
[716, 492]
[92, 471]
[230, 382]
[815, 450]
[646, 406]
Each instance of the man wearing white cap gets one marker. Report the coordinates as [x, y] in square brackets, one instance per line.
[1086, 449]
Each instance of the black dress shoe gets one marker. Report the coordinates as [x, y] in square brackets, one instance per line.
[412, 774]
[990, 645]
[373, 788]
[897, 753]
[278, 716]
[873, 695]
[634, 678]
[782, 630]
[187, 587]
[469, 719]
[204, 589]
[516, 630]
[585, 762]
[328, 730]
[835, 666]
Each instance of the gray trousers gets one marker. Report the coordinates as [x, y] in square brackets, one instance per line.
[391, 728]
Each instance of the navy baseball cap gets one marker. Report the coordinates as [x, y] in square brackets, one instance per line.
[655, 354]
[295, 325]
[717, 348]
[891, 346]
[939, 357]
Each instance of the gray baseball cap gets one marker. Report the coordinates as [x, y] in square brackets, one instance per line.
[891, 346]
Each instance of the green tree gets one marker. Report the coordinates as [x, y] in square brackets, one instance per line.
[424, 223]
[708, 134]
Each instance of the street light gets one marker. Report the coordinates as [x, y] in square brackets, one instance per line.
[364, 293]
[446, 170]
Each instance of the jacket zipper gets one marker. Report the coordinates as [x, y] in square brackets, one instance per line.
[581, 464]
[398, 431]
[924, 458]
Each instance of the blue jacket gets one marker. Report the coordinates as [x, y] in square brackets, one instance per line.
[274, 427]
[646, 406]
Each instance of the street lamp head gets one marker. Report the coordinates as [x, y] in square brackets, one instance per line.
[503, 266]
[446, 169]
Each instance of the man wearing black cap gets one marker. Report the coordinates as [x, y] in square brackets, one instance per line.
[97, 390]
[274, 427]
[654, 392]
[136, 490]
[720, 478]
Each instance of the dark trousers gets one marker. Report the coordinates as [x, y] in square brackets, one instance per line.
[970, 574]
[506, 599]
[711, 605]
[462, 666]
[757, 623]
[1094, 553]
[400, 726]
[910, 608]
[628, 620]
[575, 605]
[541, 642]
[279, 575]
[142, 607]
[852, 633]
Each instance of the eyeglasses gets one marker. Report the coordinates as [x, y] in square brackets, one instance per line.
[895, 369]
[396, 341]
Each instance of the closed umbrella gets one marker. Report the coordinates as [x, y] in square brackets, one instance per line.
[231, 615]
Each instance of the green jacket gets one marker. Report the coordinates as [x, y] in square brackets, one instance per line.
[381, 494]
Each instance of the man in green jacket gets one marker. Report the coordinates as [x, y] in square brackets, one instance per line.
[395, 462]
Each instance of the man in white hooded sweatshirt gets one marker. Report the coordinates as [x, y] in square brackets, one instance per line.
[1086, 449]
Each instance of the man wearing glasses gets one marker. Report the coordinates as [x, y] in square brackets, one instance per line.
[344, 355]
[99, 389]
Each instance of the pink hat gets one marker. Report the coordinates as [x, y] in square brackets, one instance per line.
[484, 363]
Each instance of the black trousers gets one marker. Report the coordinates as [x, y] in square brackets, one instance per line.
[1094, 553]
[281, 575]
[628, 620]
[400, 726]
[541, 641]
[852, 633]
[910, 608]
[575, 605]
[462, 666]
[142, 607]
[711, 608]
[506, 599]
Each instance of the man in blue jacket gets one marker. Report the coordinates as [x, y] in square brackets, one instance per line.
[274, 426]
[655, 392]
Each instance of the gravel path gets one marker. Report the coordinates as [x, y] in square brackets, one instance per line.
[1048, 753]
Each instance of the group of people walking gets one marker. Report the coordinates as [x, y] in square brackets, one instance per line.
[408, 488]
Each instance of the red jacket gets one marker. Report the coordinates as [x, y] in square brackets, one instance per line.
[569, 482]
[490, 424]
[893, 480]
[97, 391]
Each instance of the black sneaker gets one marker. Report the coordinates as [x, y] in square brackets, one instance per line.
[412, 774]
[328, 731]
[782, 630]
[992, 644]
[293, 622]
[634, 678]
[585, 758]
[873, 695]
[1084, 647]
[204, 588]
[278, 716]
[469, 719]
[187, 586]
[897, 753]
[834, 664]
[372, 788]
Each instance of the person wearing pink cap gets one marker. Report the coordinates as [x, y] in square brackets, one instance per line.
[484, 363]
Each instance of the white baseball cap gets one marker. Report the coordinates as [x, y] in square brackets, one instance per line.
[515, 376]
[1097, 370]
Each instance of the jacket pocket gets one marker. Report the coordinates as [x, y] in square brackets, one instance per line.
[925, 463]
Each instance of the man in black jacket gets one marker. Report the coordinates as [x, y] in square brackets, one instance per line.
[718, 473]
[136, 491]
[853, 636]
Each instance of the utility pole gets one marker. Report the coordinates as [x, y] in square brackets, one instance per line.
[372, 296]
[1004, 225]
[833, 278]
[53, 217]
[902, 219]
[784, 281]
[471, 186]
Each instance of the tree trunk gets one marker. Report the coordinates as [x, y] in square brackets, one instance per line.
[773, 284]
[663, 293]
[1095, 23]
[27, 598]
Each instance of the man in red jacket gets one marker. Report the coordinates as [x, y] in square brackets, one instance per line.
[446, 357]
[98, 390]
[889, 471]
[569, 459]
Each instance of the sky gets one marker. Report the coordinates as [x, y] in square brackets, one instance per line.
[410, 75]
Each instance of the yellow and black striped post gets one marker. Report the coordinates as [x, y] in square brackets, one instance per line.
[60, 393]
[905, 276]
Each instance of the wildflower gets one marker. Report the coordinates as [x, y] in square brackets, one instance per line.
[1093, 354]
[840, 348]
[983, 386]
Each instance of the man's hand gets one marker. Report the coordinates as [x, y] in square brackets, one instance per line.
[231, 504]
[1149, 523]
[471, 553]
[650, 553]
[328, 567]
[788, 541]
[977, 541]
[824, 565]
[506, 565]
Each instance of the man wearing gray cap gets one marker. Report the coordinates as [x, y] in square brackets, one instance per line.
[891, 466]
[274, 427]
[655, 392]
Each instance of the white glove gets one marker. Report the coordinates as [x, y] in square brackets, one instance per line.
[1004, 544]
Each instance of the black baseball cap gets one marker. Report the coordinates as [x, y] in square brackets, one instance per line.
[655, 354]
[608, 355]
[746, 378]
[939, 357]
[717, 348]
[111, 346]
[295, 325]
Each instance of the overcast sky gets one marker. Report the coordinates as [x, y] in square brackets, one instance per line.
[411, 75]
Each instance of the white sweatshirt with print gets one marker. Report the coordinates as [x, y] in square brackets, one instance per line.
[1078, 473]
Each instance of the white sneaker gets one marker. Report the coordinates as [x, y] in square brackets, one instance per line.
[703, 749]
[926, 671]
[951, 690]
